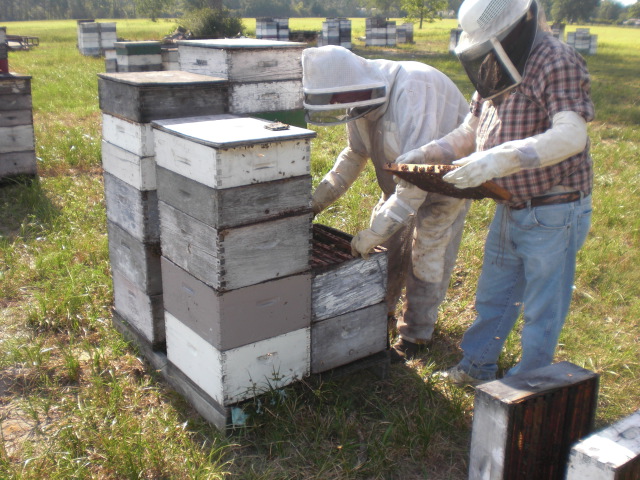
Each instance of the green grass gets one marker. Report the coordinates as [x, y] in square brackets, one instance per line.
[79, 402]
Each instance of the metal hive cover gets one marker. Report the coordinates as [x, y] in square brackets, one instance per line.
[429, 179]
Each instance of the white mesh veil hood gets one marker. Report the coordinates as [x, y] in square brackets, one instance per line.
[334, 69]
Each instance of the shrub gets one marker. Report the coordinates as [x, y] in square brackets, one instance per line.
[209, 23]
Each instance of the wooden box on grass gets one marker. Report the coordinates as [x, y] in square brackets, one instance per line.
[236, 257]
[240, 373]
[243, 59]
[133, 210]
[139, 262]
[610, 454]
[525, 425]
[145, 96]
[143, 312]
[232, 207]
[225, 151]
[238, 317]
[349, 314]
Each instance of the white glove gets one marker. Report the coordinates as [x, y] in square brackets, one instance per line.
[390, 218]
[337, 181]
[566, 137]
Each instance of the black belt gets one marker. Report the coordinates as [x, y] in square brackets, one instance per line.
[551, 199]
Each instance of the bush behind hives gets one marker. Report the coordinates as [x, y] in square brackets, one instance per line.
[210, 23]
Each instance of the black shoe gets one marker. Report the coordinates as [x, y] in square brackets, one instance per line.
[404, 350]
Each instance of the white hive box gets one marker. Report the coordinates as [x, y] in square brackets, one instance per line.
[610, 454]
[246, 315]
[138, 56]
[236, 257]
[134, 137]
[234, 375]
[226, 151]
[264, 75]
[137, 171]
[243, 59]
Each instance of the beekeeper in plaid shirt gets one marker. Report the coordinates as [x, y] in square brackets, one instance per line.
[528, 133]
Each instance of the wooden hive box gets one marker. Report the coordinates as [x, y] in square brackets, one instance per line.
[243, 59]
[17, 139]
[268, 96]
[133, 210]
[144, 313]
[237, 257]
[525, 425]
[146, 96]
[225, 151]
[138, 56]
[228, 320]
[610, 454]
[134, 137]
[233, 207]
[135, 170]
[349, 314]
[234, 375]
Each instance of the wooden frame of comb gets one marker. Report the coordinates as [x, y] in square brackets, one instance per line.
[429, 179]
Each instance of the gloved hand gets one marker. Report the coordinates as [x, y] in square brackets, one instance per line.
[433, 153]
[477, 168]
[390, 218]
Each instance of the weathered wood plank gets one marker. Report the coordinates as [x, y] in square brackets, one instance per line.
[13, 118]
[18, 163]
[232, 207]
[231, 319]
[236, 257]
[132, 136]
[17, 139]
[272, 96]
[238, 374]
[13, 84]
[354, 335]
[137, 171]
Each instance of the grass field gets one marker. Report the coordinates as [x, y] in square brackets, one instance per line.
[77, 401]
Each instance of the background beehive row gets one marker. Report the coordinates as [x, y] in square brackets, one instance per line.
[210, 229]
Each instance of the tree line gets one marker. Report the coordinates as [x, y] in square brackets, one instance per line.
[570, 11]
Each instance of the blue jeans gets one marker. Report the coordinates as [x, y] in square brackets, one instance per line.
[529, 265]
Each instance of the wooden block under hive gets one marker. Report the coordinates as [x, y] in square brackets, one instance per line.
[429, 179]
[238, 317]
[232, 207]
[225, 151]
[236, 257]
[525, 425]
[245, 372]
[146, 96]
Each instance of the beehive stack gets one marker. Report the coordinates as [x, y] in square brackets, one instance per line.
[17, 140]
[129, 102]
[94, 38]
[138, 56]
[336, 31]
[583, 41]
[4, 55]
[272, 29]
[404, 33]
[265, 77]
[380, 32]
[234, 201]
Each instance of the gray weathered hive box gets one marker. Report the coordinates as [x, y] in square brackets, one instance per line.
[146, 96]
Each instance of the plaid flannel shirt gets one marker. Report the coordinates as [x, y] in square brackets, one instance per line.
[555, 80]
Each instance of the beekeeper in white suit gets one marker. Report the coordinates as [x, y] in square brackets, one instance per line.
[391, 108]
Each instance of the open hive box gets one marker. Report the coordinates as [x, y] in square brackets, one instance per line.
[429, 179]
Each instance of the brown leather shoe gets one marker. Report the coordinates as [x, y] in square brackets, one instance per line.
[404, 350]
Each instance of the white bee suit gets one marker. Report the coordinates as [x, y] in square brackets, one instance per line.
[420, 104]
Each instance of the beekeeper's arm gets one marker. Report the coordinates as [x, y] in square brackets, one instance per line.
[566, 137]
[391, 217]
[337, 181]
[457, 144]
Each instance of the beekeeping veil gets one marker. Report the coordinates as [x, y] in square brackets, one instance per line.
[497, 38]
[339, 86]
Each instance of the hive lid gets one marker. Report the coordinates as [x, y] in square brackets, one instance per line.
[228, 131]
[161, 78]
[429, 179]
